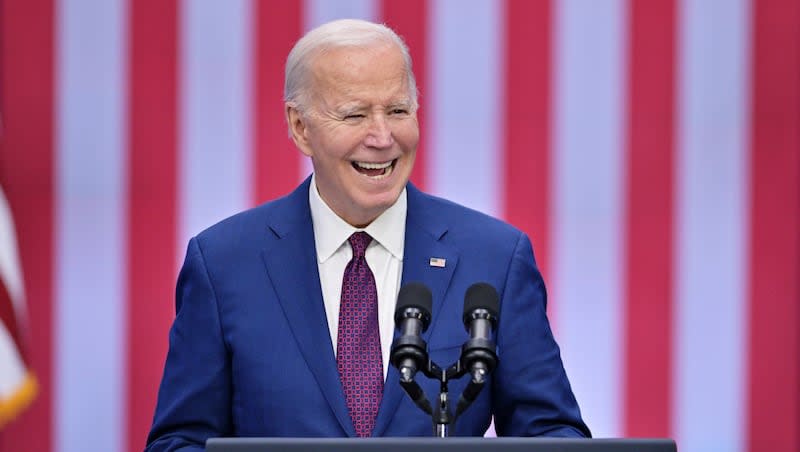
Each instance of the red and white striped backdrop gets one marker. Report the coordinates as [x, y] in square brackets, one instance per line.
[651, 148]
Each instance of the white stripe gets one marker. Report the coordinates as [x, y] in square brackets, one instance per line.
[588, 169]
[215, 108]
[318, 12]
[12, 369]
[10, 267]
[710, 339]
[463, 100]
[89, 342]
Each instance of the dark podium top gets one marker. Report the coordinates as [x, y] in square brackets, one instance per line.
[438, 445]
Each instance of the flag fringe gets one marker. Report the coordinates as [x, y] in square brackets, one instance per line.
[19, 399]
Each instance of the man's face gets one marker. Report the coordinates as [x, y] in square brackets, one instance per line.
[360, 129]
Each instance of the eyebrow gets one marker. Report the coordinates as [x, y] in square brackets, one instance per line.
[349, 109]
[405, 103]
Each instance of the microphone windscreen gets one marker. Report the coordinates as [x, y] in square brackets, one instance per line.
[415, 295]
[481, 296]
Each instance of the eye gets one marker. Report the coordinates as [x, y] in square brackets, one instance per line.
[399, 111]
[354, 116]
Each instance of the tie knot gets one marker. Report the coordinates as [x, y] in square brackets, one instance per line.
[359, 242]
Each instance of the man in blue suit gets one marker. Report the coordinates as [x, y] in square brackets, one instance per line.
[258, 343]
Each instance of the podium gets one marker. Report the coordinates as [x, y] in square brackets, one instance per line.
[438, 445]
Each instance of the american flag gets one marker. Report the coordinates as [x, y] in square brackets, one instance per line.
[17, 381]
[18, 386]
[650, 148]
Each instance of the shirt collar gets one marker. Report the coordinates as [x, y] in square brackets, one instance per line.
[330, 231]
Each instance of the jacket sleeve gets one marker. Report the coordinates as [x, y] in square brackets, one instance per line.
[532, 396]
[195, 394]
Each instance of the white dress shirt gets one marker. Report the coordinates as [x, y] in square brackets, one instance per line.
[384, 256]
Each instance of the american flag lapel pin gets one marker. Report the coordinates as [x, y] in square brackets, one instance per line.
[438, 262]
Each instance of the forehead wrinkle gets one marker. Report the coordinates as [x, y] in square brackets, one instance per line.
[335, 84]
[348, 98]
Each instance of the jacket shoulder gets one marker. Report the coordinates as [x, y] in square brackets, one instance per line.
[465, 221]
[257, 225]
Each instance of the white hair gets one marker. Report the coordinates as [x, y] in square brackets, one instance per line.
[337, 34]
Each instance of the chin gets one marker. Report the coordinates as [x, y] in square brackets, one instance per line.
[388, 197]
[379, 202]
[378, 205]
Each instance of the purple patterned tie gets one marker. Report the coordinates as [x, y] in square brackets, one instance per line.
[358, 346]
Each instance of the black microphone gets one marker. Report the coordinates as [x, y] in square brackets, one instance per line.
[479, 353]
[412, 317]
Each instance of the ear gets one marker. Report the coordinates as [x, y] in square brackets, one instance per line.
[298, 129]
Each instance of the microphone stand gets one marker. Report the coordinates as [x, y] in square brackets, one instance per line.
[441, 414]
[478, 354]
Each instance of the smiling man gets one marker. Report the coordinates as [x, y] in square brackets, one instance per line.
[356, 118]
[284, 313]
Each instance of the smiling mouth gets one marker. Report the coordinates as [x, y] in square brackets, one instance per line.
[376, 171]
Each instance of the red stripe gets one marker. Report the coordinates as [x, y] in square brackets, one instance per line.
[649, 219]
[8, 318]
[409, 18]
[528, 64]
[277, 162]
[152, 198]
[27, 176]
[774, 371]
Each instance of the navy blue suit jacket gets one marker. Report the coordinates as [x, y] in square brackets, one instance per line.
[250, 353]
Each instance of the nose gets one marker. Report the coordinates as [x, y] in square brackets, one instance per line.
[379, 134]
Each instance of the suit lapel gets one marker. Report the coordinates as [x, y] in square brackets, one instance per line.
[422, 242]
[292, 267]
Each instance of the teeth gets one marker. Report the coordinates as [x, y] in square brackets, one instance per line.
[366, 165]
[384, 175]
